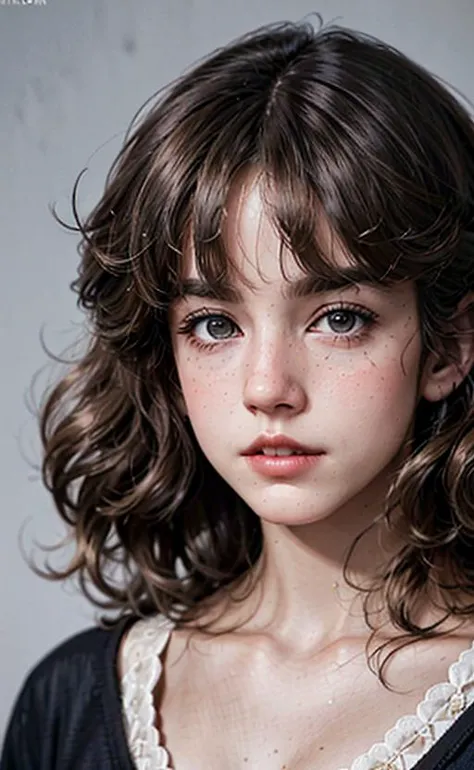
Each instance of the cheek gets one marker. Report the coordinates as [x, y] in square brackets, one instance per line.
[204, 387]
[375, 395]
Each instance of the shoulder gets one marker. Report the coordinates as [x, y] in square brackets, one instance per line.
[64, 695]
[82, 656]
[76, 668]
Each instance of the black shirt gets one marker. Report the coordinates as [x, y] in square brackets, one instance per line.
[68, 714]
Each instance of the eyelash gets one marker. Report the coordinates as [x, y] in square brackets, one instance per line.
[188, 326]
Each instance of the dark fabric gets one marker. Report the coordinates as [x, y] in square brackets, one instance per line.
[68, 714]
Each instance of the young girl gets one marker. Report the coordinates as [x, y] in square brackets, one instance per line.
[266, 453]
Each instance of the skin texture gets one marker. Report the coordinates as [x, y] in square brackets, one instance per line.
[289, 686]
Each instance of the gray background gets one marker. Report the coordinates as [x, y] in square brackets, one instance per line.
[72, 74]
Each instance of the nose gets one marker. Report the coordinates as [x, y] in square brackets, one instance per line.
[272, 379]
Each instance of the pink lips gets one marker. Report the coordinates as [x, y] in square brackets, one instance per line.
[274, 466]
[278, 441]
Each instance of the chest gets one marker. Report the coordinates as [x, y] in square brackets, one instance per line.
[256, 714]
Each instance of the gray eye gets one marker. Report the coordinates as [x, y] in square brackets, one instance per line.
[216, 327]
[341, 321]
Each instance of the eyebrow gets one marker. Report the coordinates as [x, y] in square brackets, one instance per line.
[303, 287]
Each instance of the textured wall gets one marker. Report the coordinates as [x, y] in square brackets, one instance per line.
[72, 74]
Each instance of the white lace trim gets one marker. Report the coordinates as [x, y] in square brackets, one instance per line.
[141, 667]
[403, 745]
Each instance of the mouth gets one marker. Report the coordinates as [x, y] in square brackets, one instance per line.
[282, 463]
[280, 452]
[277, 445]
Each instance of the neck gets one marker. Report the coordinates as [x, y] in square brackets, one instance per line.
[304, 593]
[301, 598]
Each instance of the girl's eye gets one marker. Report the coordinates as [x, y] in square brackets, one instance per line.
[206, 329]
[343, 321]
[213, 327]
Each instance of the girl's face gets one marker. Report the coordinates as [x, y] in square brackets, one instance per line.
[335, 371]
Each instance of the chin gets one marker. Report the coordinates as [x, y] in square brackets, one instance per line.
[291, 514]
[290, 522]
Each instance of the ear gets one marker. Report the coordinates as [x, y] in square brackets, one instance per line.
[444, 372]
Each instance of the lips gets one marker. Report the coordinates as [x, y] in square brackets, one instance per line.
[278, 441]
[281, 468]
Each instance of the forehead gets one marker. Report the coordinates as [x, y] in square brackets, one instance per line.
[255, 250]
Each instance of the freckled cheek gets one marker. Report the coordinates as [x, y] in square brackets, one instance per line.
[372, 389]
[206, 385]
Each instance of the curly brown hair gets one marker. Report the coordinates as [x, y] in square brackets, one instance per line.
[336, 121]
